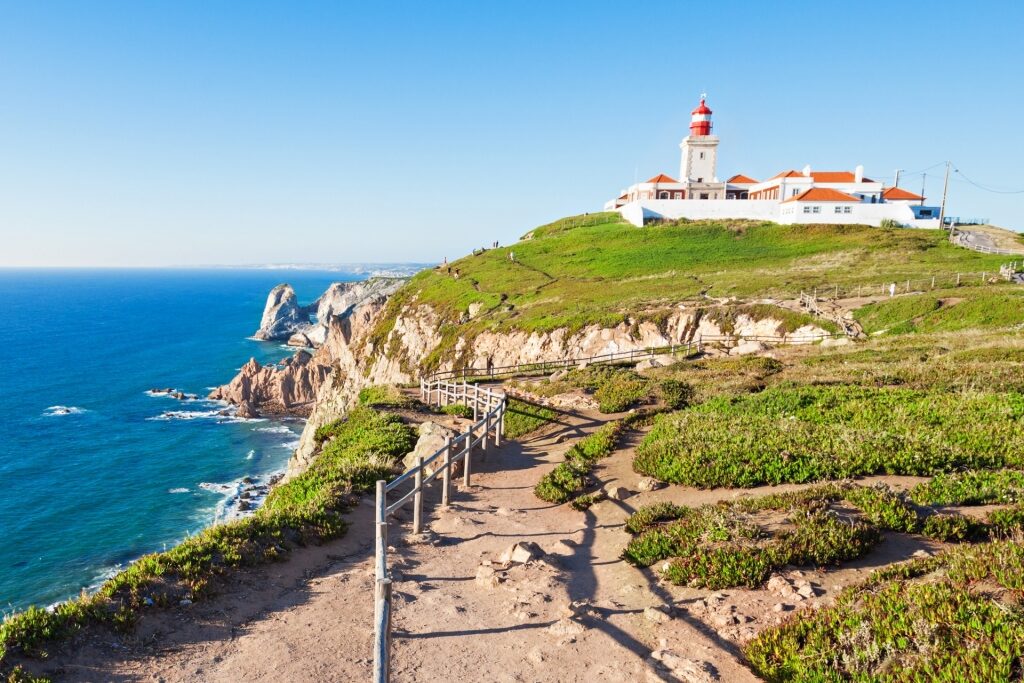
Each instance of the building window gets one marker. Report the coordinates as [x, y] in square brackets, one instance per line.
[702, 155]
[703, 195]
[816, 209]
[663, 195]
[677, 195]
[807, 209]
[839, 209]
[847, 209]
[795, 192]
[700, 180]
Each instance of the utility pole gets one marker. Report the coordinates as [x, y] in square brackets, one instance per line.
[924, 181]
[945, 189]
[896, 183]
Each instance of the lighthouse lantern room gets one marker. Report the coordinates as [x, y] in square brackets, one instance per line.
[700, 156]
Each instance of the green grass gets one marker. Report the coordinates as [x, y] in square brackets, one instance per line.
[805, 434]
[384, 396]
[458, 410]
[977, 487]
[950, 618]
[356, 451]
[598, 269]
[521, 418]
[992, 306]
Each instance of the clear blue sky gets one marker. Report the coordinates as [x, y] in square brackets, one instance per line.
[159, 133]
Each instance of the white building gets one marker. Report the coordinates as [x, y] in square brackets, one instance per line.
[805, 196]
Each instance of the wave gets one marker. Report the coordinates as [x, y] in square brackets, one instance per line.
[57, 411]
[241, 497]
[276, 429]
[250, 454]
[186, 415]
[178, 490]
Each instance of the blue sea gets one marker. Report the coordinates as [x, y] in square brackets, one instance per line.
[94, 471]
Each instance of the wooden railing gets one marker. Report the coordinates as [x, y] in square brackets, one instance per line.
[958, 238]
[488, 424]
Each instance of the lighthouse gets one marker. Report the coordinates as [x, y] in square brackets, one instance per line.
[700, 151]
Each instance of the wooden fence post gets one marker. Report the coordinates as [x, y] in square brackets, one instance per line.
[382, 631]
[417, 499]
[466, 457]
[446, 475]
[497, 423]
[958, 279]
[476, 402]
[382, 590]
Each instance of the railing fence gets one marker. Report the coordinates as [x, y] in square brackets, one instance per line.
[490, 427]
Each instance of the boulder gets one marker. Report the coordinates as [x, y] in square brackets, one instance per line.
[838, 341]
[432, 439]
[521, 553]
[247, 410]
[616, 492]
[748, 348]
[290, 388]
[648, 484]
[655, 362]
[282, 315]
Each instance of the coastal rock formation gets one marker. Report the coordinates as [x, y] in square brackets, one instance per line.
[282, 315]
[287, 388]
[339, 301]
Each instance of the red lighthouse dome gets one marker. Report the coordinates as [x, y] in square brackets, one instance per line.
[700, 120]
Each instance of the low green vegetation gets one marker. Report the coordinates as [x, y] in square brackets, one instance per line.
[954, 617]
[740, 543]
[615, 388]
[458, 410]
[384, 396]
[355, 452]
[805, 434]
[570, 477]
[521, 418]
[991, 306]
[978, 487]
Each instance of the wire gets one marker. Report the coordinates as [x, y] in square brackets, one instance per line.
[982, 187]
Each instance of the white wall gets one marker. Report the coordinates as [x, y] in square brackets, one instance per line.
[770, 210]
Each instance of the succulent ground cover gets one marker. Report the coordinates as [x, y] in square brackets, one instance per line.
[952, 617]
[615, 388]
[740, 543]
[355, 451]
[812, 433]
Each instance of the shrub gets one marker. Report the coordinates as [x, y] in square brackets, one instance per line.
[971, 488]
[621, 392]
[569, 478]
[458, 410]
[1007, 521]
[676, 394]
[649, 515]
[951, 528]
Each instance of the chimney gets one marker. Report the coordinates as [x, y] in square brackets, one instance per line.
[858, 174]
[807, 170]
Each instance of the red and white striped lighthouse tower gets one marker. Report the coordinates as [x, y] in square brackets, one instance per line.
[700, 119]
[700, 152]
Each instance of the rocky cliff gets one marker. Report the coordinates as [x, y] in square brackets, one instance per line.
[290, 387]
[282, 314]
[360, 355]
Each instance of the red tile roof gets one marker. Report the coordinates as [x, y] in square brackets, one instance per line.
[662, 178]
[822, 194]
[787, 174]
[740, 179]
[837, 177]
[900, 193]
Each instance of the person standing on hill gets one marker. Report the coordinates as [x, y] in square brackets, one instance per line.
[892, 290]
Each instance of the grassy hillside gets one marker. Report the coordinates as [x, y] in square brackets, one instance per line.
[596, 268]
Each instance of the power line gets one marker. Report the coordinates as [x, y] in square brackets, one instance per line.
[986, 189]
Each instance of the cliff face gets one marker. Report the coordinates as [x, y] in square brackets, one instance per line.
[282, 314]
[355, 363]
[287, 388]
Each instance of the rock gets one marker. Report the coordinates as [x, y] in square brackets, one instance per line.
[806, 591]
[282, 315]
[723, 619]
[748, 348]
[487, 577]
[562, 548]
[558, 375]
[778, 584]
[616, 492]
[185, 602]
[688, 670]
[655, 362]
[838, 341]
[521, 553]
[247, 410]
[648, 484]
[474, 309]
[657, 615]
[922, 553]
[566, 627]
[432, 439]
[290, 388]
[781, 607]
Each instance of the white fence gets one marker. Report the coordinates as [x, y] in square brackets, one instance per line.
[490, 427]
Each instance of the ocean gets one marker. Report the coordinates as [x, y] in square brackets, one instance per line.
[95, 471]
